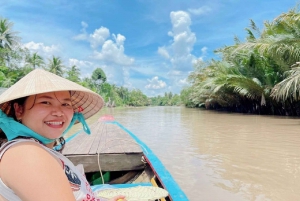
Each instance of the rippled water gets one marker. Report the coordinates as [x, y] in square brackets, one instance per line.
[221, 156]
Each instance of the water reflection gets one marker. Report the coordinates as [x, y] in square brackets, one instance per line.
[219, 156]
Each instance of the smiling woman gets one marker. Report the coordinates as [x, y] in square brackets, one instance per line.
[35, 112]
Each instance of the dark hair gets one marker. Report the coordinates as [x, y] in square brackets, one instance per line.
[11, 113]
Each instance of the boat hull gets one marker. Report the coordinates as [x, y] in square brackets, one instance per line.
[126, 167]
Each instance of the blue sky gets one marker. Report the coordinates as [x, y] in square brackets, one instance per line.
[149, 45]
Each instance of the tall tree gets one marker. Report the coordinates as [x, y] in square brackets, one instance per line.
[98, 77]
[8, 38]
[55, 66]
[34, 60]
[123, 93]
[73, 74]
[88, 82]
[8, 82]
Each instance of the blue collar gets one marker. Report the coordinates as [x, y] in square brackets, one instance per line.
[13, 129]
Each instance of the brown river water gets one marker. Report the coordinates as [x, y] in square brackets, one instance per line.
[217, 156]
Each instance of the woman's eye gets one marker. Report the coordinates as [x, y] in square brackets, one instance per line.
[46, 102]
[66, 104]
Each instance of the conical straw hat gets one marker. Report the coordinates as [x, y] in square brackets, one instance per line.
[40, 81]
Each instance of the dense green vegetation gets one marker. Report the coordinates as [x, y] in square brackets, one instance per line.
[260, 75]
[16, 62]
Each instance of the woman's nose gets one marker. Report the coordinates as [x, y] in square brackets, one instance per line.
[57, 111]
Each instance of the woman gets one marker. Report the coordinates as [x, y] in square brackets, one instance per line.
[35, 112]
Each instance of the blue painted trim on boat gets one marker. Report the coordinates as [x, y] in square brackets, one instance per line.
[101, 186]
[171, 186]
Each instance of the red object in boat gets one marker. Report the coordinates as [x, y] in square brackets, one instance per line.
[106, 117]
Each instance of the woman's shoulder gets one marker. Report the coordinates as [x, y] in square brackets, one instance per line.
[18, 146]
[25, 156]
[8, 144]
[22, 149]
[29, 164]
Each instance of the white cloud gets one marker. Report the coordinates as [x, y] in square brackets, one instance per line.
[200, 11]
[117, 75]
[80, 63]
[155, 83]
[42, 49]
[119, 39]
[95, 39]
[113, 52]
[170, 33]
[86, 67]
[84, 25]
[203, 55]
[83, 35]
[184, 39]
[179, 52]
[174, 73]
[163, 52]
[204, 50]
[126, 77]
[98, 37]
[183, 81]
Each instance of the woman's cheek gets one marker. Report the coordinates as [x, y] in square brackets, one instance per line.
[70, 114]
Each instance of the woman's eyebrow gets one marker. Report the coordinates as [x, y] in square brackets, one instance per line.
[46, 97]
[50, 97]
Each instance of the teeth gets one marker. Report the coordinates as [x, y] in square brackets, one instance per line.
[54, 123]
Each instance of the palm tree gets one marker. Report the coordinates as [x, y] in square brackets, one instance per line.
[123, 93]
[73, 74]
[8, 38]
[226, 85]
[8, 82]
[34, 60]
[289, 88]
[89, 83]
[249, 70]
[55, 66]
[279, 40]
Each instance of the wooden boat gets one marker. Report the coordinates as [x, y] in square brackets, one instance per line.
[114, 155]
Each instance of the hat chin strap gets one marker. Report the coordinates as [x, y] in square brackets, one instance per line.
[78, 117]
[13, 129]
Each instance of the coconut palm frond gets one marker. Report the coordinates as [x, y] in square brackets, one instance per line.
[56, 66]
[257, 81]
[8, 37]
[245, 86]
[289, 87]
[254, 27]
[250, 35]
[291, 15]
[236, 40]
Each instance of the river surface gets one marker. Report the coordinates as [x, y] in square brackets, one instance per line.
[217, 156]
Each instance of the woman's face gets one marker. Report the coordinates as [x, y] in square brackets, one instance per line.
[48, 114]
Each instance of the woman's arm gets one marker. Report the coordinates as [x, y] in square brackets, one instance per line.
[34, 174]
